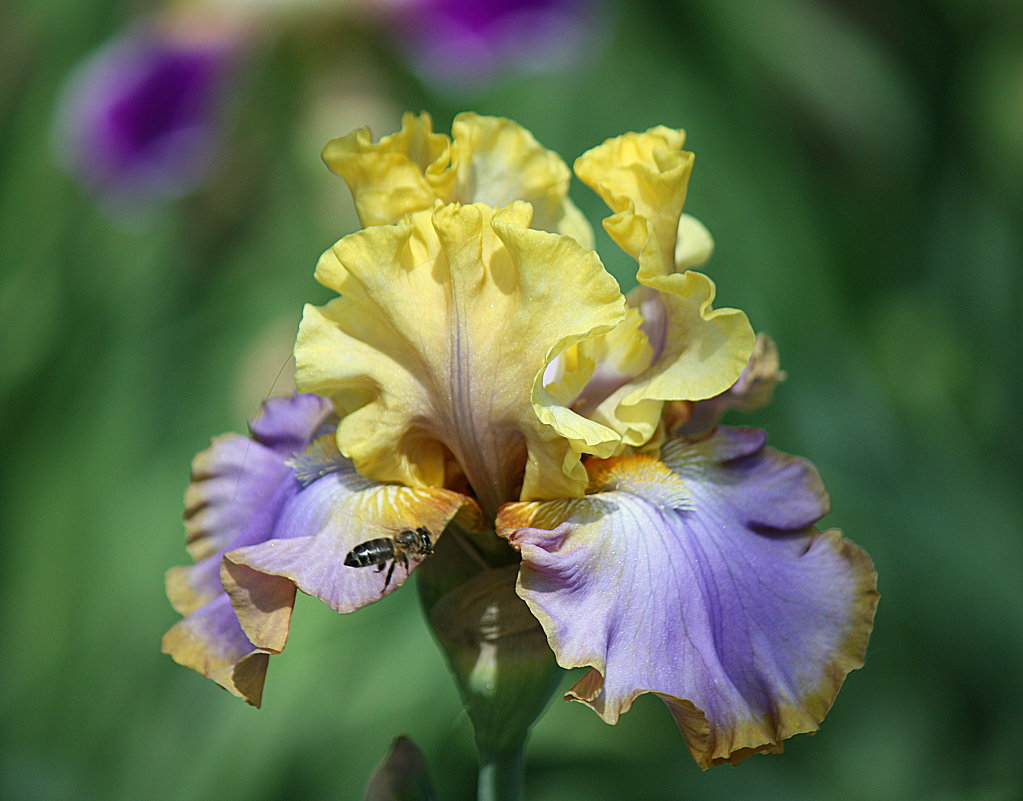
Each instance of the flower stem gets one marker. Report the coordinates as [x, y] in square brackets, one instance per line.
[501, 775]
[497, 651]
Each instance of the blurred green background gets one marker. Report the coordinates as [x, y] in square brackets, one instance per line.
[861, 168]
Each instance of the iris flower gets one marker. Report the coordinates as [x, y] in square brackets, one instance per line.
[482, 376]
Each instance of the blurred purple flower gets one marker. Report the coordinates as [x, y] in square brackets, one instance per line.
[138, 120]
[461, 44]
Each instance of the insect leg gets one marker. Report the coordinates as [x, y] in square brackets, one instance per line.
[390, 573]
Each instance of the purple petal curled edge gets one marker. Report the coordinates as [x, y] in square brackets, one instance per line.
[320, 526]
[700, 578]
[210, 641]
[240, 485]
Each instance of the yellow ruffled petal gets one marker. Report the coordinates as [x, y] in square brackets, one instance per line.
[620, 353]
[643, 178]
[694, 245]
[488, 160]
[439, 344]
[698, 351]
[585, 375]
[497, 161]
[402, 173]
[567, 376]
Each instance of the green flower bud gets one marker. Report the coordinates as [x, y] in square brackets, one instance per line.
[497, 651]
[402, 775]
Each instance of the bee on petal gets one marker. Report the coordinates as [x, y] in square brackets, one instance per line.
[399, 548]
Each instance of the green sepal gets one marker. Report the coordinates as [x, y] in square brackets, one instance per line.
[497, 651]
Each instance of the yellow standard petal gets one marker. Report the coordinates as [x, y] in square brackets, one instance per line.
[402, 173]
[497, 161]
[488, 160]
[438, 346]
[694, 245]
[643, 178]
[697, 351]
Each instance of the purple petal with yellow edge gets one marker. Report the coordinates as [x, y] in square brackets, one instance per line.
[240, 486]
[700, 578]
[210, 641]
[319, 528]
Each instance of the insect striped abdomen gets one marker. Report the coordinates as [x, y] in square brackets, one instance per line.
[373, 552]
